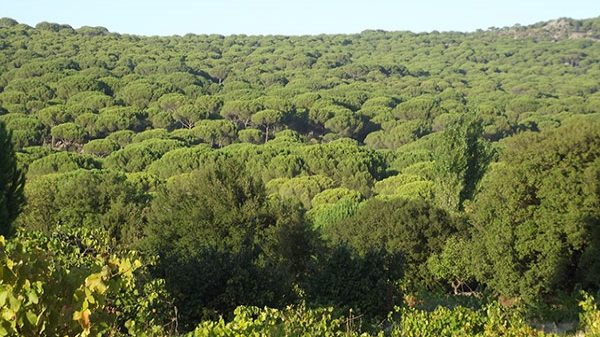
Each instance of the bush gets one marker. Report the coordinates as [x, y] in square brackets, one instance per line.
[70, 283]
[290, 322]
[589, 319]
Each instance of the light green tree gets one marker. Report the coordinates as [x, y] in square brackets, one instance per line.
[461, 158]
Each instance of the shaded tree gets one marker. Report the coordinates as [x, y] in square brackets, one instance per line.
[11, 184]
[267, 119]
[536, 218]
[412, 228]
[218, 219]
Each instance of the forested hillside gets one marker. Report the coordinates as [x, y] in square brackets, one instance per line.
[383, 183]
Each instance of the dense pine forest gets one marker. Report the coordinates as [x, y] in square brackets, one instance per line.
[372, 184]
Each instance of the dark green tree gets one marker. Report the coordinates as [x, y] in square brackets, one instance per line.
[345, 279]
[412, 228]
[536, 218]
[221, 243]
[11, 184]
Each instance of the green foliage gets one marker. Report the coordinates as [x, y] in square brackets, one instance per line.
[216, 132]
[420, 107]
[54, 115]
[414, 229]
[101, 147]
[453, 264]
[240, 111]
[332, 206]
[348, 164]
[187, 136]
[440, 322]
[30, 154]
[334, 195]
[325, 215]
[346, 123]
[82, 198]
[289, 322]
[547, 227]
[408, 186]
[123, 137]
[71, 85]
[157, 133]
[188, 115]
[421, 169]
[347, 279]
[26, 131]
[86, 123]
[136, 157]
[140, 93]
[267, 119]
[371, 134]
[8, 22]
[492, 320]
[61, 162]
[70, 283]
[253, 136]
[12, 181]
[210, 105]
[301, 189]
[398, 135]
[180, 161]
[117, 118]
[69, 134]
[218, 219]
[460, 161]
[589, 318]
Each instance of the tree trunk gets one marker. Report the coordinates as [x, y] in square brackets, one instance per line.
[266, 133]
[456, 285]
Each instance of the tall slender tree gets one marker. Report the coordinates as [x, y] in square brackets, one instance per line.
[460, 161]
[11, 183]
